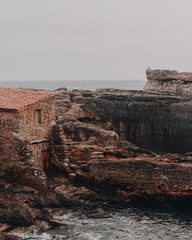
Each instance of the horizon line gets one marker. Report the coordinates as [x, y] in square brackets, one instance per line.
[22, 80]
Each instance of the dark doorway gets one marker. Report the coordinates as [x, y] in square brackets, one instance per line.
[45, 159]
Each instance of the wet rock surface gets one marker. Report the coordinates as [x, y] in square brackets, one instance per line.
[22, 206]
[9, 237]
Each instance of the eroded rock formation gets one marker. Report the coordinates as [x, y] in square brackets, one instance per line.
[110, 145]
[9, 237]
[168, 81]
[126, 171]
[155, 121]
[21, 205]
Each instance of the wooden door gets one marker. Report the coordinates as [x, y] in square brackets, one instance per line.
[45, 159]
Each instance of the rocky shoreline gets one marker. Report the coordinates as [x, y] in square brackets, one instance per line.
[107, 145]
[24, 206]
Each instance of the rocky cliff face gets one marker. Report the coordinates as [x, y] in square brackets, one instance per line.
[119, 168]
[145, 176]
[156, 121]
[168, 81]
[91, 142]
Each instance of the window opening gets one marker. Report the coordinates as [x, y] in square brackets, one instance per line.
[38, 116]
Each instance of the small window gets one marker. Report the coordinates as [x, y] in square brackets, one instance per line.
[38, 116]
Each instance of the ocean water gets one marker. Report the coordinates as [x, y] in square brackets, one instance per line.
[76, 84]
[123, 223]
[130, 223]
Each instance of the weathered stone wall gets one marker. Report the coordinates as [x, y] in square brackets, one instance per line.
[18, 129]
[9, 129]
[32, 131]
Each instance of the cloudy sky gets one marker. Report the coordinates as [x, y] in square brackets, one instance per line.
[93, 39]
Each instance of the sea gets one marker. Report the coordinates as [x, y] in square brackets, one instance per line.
[76, 84]
[130, 222]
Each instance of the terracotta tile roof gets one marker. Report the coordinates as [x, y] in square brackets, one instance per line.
[18, 99]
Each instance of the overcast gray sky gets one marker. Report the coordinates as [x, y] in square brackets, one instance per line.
[93, 39]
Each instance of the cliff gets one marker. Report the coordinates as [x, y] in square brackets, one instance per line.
[168, 81]
[120, 169]
[94, 135]
[108, 145]
[156, 121]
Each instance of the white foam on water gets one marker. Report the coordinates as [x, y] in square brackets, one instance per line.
[90, 236]
[34, 236]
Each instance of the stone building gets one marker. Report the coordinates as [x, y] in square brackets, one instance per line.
[26, 120]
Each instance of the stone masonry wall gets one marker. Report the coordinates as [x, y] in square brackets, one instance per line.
[32, 131]
[9, 129]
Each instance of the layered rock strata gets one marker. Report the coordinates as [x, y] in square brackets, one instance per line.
[156, 121]
[168, 81]
[126, 171]
[120, 168]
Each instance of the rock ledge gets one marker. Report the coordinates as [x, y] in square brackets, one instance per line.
[168, 81]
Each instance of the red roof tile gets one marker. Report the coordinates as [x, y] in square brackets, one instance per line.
[17, 99]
